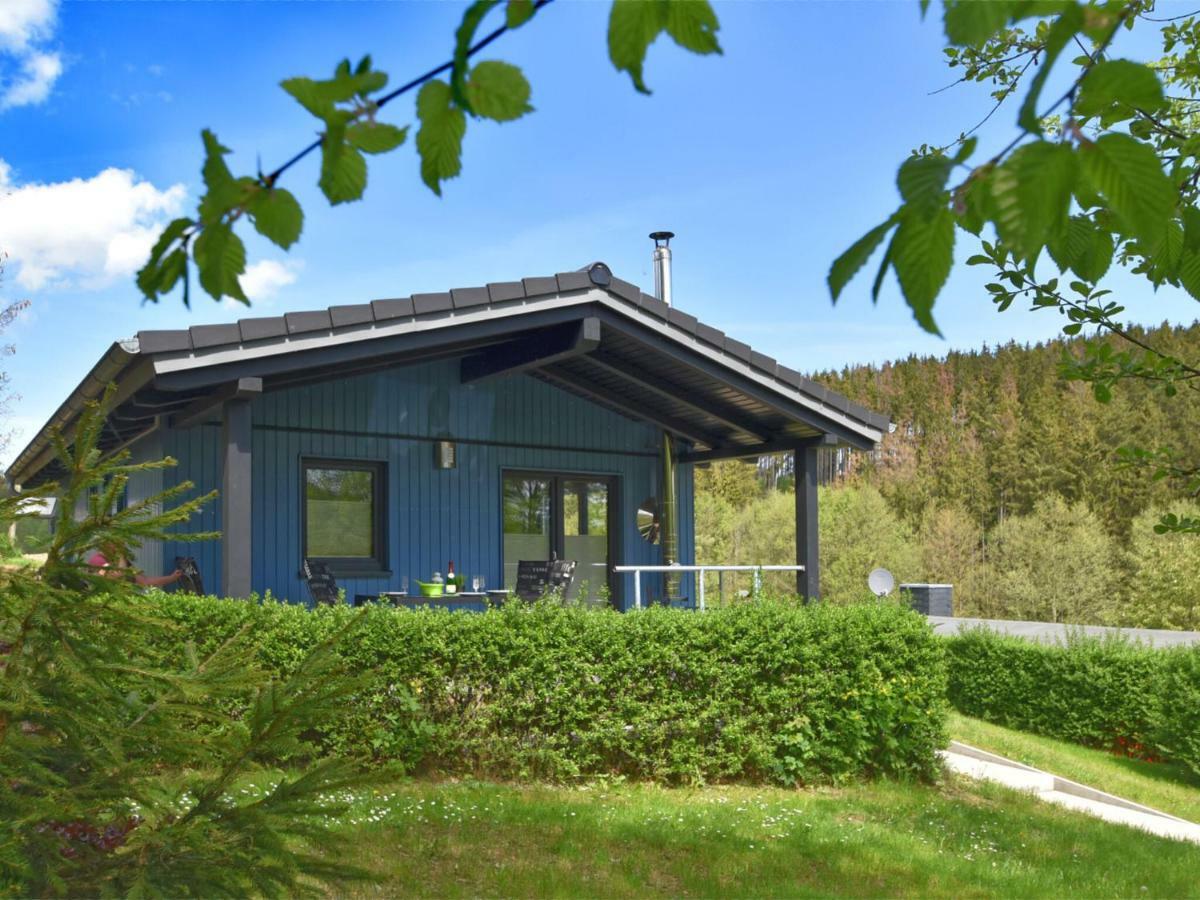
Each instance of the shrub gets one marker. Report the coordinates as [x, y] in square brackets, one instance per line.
[1102, 693]
[1164, 591]
[1056, 564]
[858, 533]
[766, 691]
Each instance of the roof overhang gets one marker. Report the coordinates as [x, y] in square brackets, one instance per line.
[585, 332]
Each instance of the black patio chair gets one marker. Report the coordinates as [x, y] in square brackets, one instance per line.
[322, 586]
[190, 582]
[538, 577]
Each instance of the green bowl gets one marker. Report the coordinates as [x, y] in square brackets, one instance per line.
[430, 589]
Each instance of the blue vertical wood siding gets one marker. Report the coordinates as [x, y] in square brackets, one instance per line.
[434, 515]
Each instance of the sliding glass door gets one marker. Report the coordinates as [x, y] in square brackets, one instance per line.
[567, 516]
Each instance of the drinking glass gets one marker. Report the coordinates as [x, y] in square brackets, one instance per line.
[477, 583]
[404, 584]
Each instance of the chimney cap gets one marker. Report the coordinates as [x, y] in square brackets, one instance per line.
[661, 238]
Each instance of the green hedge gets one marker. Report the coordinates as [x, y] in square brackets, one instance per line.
[1108, 693]
[770, 691]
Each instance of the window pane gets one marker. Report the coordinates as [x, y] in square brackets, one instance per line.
[585, 538]
[526, 523]
[340, 513]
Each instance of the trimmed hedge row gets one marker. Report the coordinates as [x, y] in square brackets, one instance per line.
[1109, 693]
[772, 691]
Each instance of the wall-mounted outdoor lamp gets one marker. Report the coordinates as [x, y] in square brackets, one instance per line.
[445, 454]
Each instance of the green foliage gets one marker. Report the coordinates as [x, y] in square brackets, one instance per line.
[1111, 694]
[347, 106]
[439, 139]
[120, 765]
[1054, 565]
[1107, 173]
[773, 690]
[859, 533]
[633, 25]
[1164, 591]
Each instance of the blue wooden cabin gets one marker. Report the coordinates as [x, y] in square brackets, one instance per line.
[482, 425]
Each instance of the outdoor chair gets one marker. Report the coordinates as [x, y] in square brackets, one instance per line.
[538, 577]
[190, 582]
[322, 586]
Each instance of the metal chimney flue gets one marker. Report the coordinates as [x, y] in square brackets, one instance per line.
[662, 265]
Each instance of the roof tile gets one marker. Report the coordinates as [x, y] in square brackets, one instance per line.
[535, 287]
[262, 327]
[467, 297]
[678, 317]
[499, 291]
[354, 314]
[626, 290]
[304, 322]
[762, 361]
[164, 341]
[737, 348]
[213, 335]
[423, 304]
[654, 306]
[573, 281]
[710, 335]
[399, 308]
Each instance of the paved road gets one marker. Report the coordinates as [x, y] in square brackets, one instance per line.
[1050, 632]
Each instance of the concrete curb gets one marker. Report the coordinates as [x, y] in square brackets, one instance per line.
[982, 764]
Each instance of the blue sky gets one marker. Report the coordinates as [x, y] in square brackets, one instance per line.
[767, 162]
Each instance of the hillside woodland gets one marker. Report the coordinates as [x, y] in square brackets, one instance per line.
[1001, 478]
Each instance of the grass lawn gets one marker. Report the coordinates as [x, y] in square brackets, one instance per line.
[957, 839]
[1168, 787]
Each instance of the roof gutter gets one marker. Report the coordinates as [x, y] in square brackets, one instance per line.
[112, 368]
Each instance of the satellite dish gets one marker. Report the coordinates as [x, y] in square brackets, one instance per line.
[881, 582]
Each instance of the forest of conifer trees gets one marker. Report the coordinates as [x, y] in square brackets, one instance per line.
[1000, 477]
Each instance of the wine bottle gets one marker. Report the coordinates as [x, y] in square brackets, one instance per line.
[451, 584]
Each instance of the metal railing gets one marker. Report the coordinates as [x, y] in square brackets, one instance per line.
[721, 570]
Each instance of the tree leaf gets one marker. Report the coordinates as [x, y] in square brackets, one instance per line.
[846, 266]
[439, 140]
[277, 216]
[1128, 175]
[222, 190]
[375, 137]
[632, 27]
[162, 269]
[1189, 273]
[1119, 81]
[969, 23]
[1191, 227]
[309, 94]
[1032, 196]
[499, 91]
[220, 258]
[463, 38]
[922, 182]
[693, 25]
[922, 254]
[518, 12]
[343, 171]
[1061, 31]
[1072, 244]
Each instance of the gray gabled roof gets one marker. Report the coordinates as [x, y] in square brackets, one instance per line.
[694, 359]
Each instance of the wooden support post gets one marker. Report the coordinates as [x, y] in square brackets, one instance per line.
[235, 498]
[808, 582]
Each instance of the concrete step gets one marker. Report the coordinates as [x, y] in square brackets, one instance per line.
[982, 764]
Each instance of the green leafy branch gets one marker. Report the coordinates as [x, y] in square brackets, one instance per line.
[347, 106]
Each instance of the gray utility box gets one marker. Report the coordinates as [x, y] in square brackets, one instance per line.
[931, 599]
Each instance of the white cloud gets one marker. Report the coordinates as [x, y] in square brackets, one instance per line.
[28, 70]
[39, 71]
[25, 21]
[83, 232]
[265, 278]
